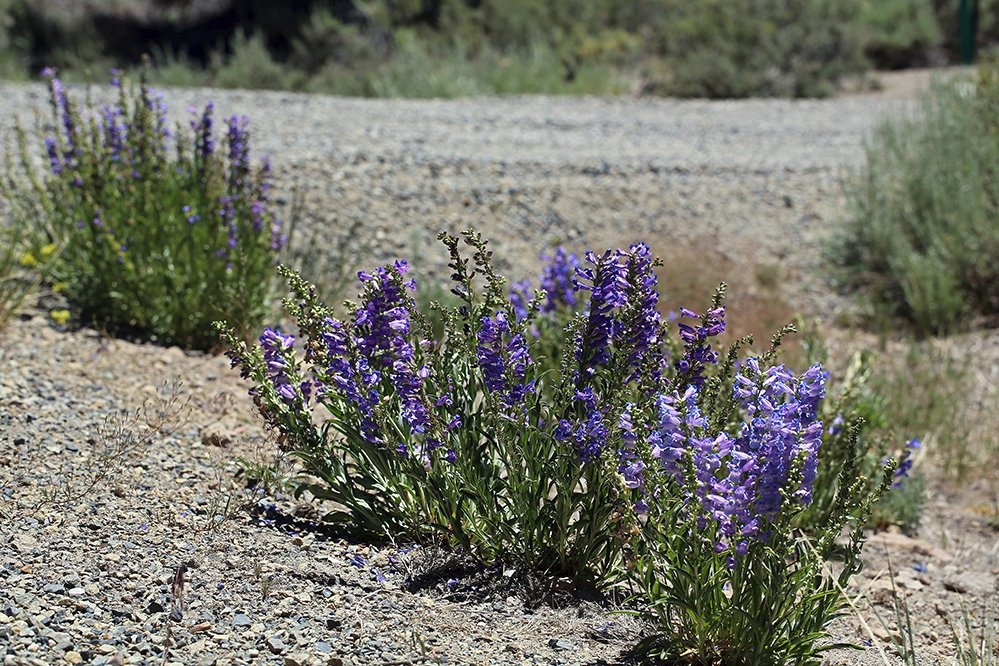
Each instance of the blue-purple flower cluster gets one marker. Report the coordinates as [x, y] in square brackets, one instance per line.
[740, 482]
[279, 357]
[375, 357]
[504, 358]
[697, 351]
[622, 311]
[557, 280]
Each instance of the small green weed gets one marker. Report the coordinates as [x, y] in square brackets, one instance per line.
[978, 648]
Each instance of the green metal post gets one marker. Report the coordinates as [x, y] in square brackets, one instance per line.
[969, 29]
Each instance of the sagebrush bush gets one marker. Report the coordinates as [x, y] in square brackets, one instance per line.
[155, 238]
[612, 448]
[742, 48]
[920, 238]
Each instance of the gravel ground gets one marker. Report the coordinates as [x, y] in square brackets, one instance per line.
[125, 537]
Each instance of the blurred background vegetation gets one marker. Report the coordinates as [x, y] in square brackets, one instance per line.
[447, 48]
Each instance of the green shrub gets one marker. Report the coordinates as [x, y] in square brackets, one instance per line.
[154, 239]
[251, 66]
[898, 33]
[920, 238]
[741, 48]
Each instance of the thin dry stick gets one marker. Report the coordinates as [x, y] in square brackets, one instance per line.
[176, 605]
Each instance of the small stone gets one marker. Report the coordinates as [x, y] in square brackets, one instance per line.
[276, 645]
[324, 647]
[561, 644]
[240, 620]
[73, 657]
[76, 592]
[54, 588]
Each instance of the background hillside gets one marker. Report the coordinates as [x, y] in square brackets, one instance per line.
[447, 48]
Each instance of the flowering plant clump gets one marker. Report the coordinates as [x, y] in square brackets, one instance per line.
[464, 439]
[640, 455]
[154, 239]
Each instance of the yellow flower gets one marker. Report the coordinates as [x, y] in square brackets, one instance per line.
[28, 259]
[48, 249]
[60, 317]
[58, 287]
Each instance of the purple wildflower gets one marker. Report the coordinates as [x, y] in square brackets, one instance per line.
[606, 281]
[739, 483]
[205, 144]
[504, 358]
[905, 464]
[697, 351]
[55, 162]
[520, 298]
[351, 376]
[630, 465]
[643, 325]
[557, 280]
[192, 217]
[114, 131]
[239, 150]
[279, 359]
[257, 212]
[589, 434]
[65, 111]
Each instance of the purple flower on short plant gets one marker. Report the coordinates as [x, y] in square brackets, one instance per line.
[239, 149]
[65, 112]
[278, 352]
[504, 358]
[905, 464]
[697, 351]
[606, 279]
[114, 131]
[55, 161]
[204, 142]
[589, 434]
